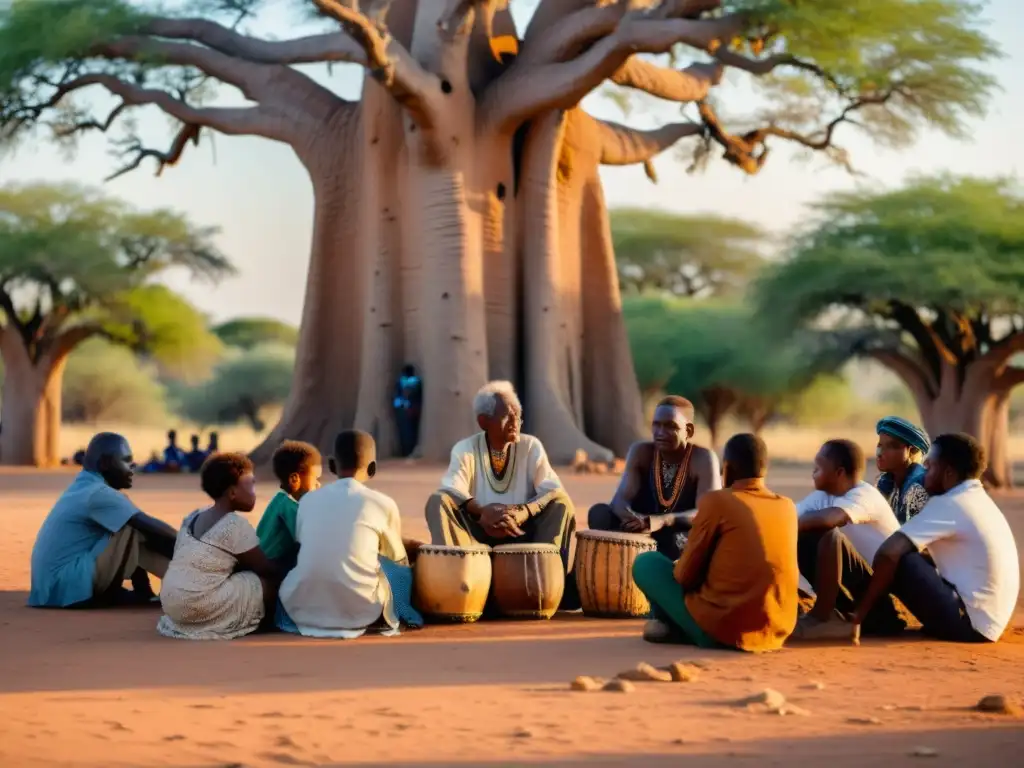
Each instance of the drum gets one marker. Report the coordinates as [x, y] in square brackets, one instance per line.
[604, 573]
[452, 583]
[528, 580]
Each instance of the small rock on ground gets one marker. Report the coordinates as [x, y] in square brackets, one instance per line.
[683, 673]
[619, 686]
[768, 698]
[585, 683]
[815, 685]
[864, 720]
[644, 672]
[522, 733]
[1000, 705]
[924, 752]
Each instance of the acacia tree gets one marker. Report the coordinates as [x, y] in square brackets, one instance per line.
[715, 354]
[459, 219]
[249, 332]
[932, 275]
[73, 266]
[694, 256]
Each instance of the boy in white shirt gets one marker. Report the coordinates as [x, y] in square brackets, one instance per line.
[955, 564]
[352, 571]
[842, 525]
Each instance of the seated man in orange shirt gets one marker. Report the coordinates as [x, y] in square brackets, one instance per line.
[736, 584]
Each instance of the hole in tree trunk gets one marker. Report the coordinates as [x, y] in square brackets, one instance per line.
[501, 191]
[444, 295]
[446, 87]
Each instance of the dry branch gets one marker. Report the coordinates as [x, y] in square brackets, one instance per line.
[691, 84]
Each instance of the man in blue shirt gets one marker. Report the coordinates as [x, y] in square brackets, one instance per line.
[94, 539]
[174, 457]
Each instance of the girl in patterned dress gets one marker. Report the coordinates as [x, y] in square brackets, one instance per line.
[901, 448]
[219, 582]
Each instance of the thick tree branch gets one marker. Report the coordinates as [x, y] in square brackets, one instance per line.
[66, 341]
[691, 84]
[1009, 379]
[621, 145]
[389, 62]
[230, 120]
[932, 348]
[329, 47]
[524, 91]
[1004, 349]
[905, 365]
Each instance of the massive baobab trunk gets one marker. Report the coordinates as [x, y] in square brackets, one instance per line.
[459, 223]
[30, 413]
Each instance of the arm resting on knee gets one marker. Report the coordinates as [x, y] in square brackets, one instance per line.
[887, 560]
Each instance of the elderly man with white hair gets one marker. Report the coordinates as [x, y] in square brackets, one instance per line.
[500, 487]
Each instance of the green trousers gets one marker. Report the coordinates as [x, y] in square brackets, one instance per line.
[652, 572]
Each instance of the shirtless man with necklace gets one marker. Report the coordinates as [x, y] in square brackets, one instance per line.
[663, 479]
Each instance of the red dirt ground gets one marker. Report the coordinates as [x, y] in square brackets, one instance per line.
[103, 689]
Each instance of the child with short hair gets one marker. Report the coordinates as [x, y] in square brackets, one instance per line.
[352, 571]
[219, 583]
[297, 467]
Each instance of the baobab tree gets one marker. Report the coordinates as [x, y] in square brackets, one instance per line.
[459, 219]
[932, 275]
[76, 265]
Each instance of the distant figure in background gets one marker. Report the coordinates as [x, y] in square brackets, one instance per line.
[194, 459]
[174, 457]
[94, 539]
[899, 457]
[79, 458]
[407, 403]
[213, 446]
[153, 465]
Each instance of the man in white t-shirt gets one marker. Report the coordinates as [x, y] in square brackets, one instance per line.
[955, 564]
[352, 572]
[500, 487]
[842, 525]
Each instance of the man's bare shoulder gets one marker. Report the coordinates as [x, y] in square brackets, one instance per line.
[641, 453]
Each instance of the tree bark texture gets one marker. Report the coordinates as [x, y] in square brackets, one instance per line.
[30, 414]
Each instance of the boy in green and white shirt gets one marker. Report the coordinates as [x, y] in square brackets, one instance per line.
[298, 467]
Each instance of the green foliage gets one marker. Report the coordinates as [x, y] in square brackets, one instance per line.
[702, 350]
[939, 245]
[104, 383]
[243, 385]
[694, 256]
[174, 334]
[70, 256]
[925, 56]
[249, 332]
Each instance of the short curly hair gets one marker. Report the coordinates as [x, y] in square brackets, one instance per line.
[222, 471]
[294, 457]
[963, 453]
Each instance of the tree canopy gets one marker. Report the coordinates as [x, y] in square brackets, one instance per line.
[686, 255]
[884, 66]
[932, 272]
[249, 332]
[715, 354]
[104, 382]
[243, 386]
[75, 263]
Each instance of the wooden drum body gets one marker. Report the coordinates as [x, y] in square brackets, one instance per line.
[528, 580]
[452, 583]
[604, 573]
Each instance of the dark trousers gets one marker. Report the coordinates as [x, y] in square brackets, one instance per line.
[602, 518]
[933, 601]
[408, 431]
[855, 575]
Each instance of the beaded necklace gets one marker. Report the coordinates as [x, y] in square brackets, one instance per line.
[670, 475]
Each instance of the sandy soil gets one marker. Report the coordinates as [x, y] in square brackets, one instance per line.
[103, 689]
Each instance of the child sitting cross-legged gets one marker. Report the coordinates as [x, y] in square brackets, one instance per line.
[297, 467]
[352, 572]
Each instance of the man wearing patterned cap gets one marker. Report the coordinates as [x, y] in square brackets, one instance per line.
[901, 448]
